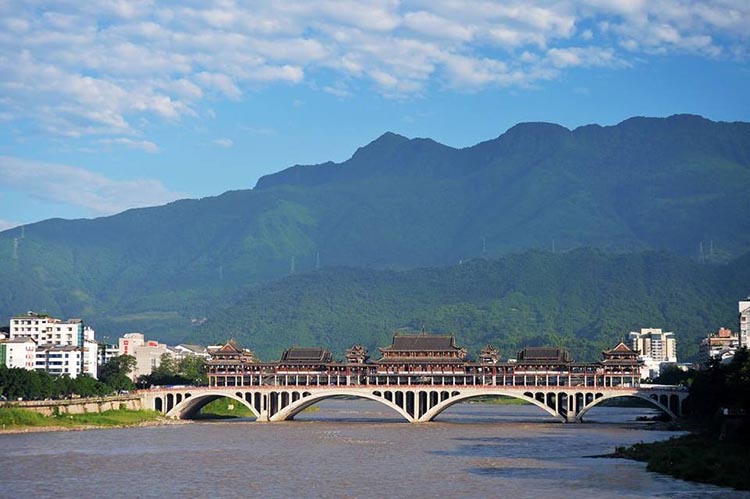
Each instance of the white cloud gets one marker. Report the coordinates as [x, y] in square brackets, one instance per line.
[99, 68]
[143, 145]
[76, 186]
[225, 143]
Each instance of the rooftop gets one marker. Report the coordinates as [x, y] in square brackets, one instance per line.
[422, 342]
[306, 354]
[542, 354]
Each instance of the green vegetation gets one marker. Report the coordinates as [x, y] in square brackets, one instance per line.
[696, 458]
[224, 408]
[116, 373]
[190, 370]
[645, 184]
[719, 451]
[23, 384]
[19, 419]
[584, 300]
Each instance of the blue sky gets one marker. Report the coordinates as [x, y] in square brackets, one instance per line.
[110, 105]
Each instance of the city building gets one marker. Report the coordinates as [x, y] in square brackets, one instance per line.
[147, 353]
[720, 345]
[106, 352]
[744, 320]
[47, 331]
[59, 360]
[181, 351]
[657, 349]
[18, 352]
[129, 342]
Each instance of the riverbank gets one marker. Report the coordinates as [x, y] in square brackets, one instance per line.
[13, 420]
[695, 458]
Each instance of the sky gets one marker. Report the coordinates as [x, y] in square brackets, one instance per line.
[110, 105]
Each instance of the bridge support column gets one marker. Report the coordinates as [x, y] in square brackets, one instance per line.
[570, 415]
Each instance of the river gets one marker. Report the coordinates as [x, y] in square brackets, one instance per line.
[348, 449]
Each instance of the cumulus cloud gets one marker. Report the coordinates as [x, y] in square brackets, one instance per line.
[102, 67]
[100, 195]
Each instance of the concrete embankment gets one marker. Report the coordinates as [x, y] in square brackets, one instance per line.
[78, 406]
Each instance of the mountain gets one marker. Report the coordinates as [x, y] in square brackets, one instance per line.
[584, 300]
[675, 184]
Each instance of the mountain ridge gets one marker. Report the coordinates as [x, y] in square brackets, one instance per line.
[673, 184]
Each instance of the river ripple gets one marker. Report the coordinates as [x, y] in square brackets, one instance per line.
[349, 449]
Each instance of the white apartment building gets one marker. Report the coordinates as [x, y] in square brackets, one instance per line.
[19, 352]
[47, 331]
[106, 353]
[59, 360]
[744, 318]
[657, 349]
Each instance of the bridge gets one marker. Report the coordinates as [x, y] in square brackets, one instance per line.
[416, 404]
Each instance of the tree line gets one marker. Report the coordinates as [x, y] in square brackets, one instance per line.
[114, 377]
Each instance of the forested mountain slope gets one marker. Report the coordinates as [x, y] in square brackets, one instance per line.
[585, 300]
[644, 184]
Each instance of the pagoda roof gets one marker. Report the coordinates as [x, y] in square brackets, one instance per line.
[422, 343]
[306, 354]
[621, 348]
[542, 354]
[230, 347]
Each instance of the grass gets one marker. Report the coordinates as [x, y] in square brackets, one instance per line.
[20, 419]
[224, 408]
[695, 457]
[499, 400]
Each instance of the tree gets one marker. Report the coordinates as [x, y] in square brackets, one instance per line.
[116, 372]
[193, 368]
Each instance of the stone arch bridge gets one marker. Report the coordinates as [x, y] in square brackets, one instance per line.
[416, 404]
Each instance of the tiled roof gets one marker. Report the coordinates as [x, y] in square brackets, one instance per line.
[299, 355]
[542, 354]
[621, 348]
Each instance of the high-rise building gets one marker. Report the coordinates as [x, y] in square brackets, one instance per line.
[657, 349]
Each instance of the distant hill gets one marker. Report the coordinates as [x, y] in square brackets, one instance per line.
[584, 300]
[676, 184]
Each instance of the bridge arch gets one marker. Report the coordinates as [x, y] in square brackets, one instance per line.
[303, 403]
[650, 399]
[457, 397]
[190, 405]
